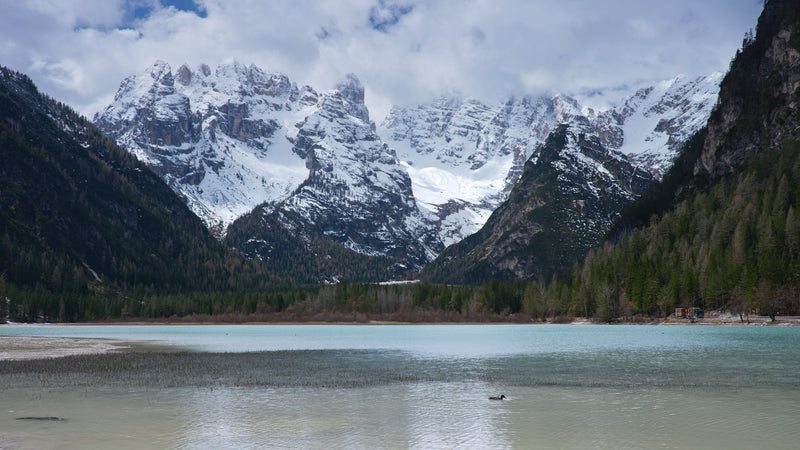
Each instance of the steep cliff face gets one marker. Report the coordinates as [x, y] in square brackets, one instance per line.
[758, 101]
[356, 193]
[658, 120]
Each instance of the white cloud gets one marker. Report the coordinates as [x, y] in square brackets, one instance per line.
[79, 50]
[537, 80]
[79, 13]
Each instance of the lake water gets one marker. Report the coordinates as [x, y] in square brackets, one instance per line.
[416, 386]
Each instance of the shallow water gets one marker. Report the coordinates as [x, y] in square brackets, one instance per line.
[413, 386]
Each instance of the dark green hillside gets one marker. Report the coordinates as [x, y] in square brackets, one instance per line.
[722, 230]
[85, 229]
[531, 223]
[735, 246]
[286, 253]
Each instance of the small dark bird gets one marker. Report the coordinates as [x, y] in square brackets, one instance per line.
[502, 397]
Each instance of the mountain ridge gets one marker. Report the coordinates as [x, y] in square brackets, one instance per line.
[480, 149]
[564, 203]
[235, 138]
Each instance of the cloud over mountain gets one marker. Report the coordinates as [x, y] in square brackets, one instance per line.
[403, 51]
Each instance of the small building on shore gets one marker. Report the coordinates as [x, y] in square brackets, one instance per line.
[691, 312]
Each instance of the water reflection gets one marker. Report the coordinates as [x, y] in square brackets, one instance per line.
[456, 416]
[402, 416]
[416, 415]
[640, 388]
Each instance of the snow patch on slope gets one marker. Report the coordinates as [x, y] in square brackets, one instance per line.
[221, 139]
[463, 156]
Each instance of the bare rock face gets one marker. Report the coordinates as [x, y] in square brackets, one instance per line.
[213, 136]
[759, 96]
[356, 193]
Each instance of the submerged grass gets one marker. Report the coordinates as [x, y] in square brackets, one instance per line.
[306, 368]
[365, 368]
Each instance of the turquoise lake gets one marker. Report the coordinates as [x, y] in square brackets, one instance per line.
[421, 386]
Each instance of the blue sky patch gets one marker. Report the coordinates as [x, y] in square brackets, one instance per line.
[386, 15]
[140, 10]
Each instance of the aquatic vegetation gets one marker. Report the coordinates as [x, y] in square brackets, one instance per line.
[345, 369]
[334, 369]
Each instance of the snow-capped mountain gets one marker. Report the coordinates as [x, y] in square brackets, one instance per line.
[464, 156]
[357, 192]
[657, 120]
[217, 137]
[235, 137]
[566, 199]
[230, 139]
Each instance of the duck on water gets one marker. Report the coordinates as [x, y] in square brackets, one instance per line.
[502, 397]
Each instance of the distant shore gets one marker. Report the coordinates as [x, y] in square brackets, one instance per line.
[26, 347]
[423, 317]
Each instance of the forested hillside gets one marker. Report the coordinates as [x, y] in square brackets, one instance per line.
[722, 230]
[735, 246]
[85, 229]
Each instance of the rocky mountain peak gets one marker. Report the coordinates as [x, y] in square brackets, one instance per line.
[184, 75]
[352, 92]
[565, 106]
[159, 70]
[213, 134]
[464, 156]
[237, 137]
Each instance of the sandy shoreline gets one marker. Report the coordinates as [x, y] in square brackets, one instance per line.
[25, 347]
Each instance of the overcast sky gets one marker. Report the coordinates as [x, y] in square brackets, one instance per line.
[403, 51]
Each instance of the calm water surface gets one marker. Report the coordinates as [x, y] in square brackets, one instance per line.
[424, 386]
